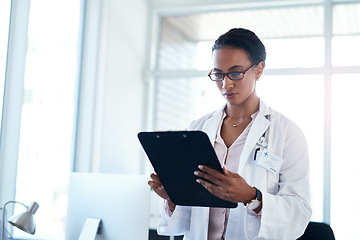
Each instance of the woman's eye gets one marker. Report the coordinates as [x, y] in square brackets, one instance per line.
[218, 75]
[235, 74]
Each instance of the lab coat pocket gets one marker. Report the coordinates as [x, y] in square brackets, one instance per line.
[265, 179]
[272, 182]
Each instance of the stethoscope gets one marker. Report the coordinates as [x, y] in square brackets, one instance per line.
[261, 143]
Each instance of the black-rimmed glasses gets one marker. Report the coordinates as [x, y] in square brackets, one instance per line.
[218, 77]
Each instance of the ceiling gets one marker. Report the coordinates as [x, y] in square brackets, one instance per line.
[267, 23]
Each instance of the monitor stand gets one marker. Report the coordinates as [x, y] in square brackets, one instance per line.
[92, 226]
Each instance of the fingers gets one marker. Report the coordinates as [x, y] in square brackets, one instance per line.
[208, 177]
[211, 171]
[155, 177]
[215, 176]
[215, 172]
[228, 186]
[158, 188]
[210, 174]
[155, 183]
[226, 172]
[215, 190]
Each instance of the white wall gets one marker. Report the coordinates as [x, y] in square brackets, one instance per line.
[120, 93]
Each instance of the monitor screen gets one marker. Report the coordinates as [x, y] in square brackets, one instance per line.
[122, 202]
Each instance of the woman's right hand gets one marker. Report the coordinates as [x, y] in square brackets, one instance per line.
[156, 185]
[159, 189]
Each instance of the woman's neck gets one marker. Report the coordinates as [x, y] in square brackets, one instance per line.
[246, 109]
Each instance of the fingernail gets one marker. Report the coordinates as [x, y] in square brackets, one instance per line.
[196, 173]
[198, 181]
[200, 167]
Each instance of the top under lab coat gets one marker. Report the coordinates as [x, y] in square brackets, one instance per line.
[285, 210]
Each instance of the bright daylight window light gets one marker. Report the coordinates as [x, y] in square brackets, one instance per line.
[302, 48]
[344, 130]
[4, 31]
[47, 118]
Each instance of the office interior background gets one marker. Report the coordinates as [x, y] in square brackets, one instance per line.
[80, 78]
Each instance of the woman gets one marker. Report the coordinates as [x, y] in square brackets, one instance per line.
[264, 156]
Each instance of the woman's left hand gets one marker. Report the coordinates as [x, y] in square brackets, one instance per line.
[228, 186]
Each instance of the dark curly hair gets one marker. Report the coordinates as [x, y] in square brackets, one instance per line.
[243, 39]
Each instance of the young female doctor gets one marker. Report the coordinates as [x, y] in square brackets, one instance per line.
[264, 156]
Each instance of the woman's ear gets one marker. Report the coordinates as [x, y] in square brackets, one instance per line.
[259, 69]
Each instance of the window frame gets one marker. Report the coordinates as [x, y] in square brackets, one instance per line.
[13, 98]
[182, 8]
[89, 39]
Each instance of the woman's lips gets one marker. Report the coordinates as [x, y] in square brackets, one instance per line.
[230, 95]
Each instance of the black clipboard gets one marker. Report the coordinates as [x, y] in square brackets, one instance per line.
[175, 155]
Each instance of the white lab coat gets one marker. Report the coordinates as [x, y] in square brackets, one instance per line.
[286, 210]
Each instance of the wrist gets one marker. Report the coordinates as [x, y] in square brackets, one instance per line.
[171, 205]
[255, 203]
[251, 195]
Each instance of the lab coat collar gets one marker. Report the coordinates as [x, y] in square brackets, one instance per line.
[212, 124]
[258, 128]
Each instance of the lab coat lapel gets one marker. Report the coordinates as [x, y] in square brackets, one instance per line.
[258, 128]
[211, 125]
[200, 215]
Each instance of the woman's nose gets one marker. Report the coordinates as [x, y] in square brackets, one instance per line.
[227, 83]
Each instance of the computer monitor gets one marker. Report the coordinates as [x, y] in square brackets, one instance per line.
[122, 202]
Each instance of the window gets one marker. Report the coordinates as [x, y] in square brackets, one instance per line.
[48, 113]
[346, 30]
[345, 168]
[179, 101]
[344, 163]
[4, 33]
[314, 66]
[304, 103]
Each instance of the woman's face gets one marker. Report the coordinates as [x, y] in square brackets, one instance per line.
[228, 60]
